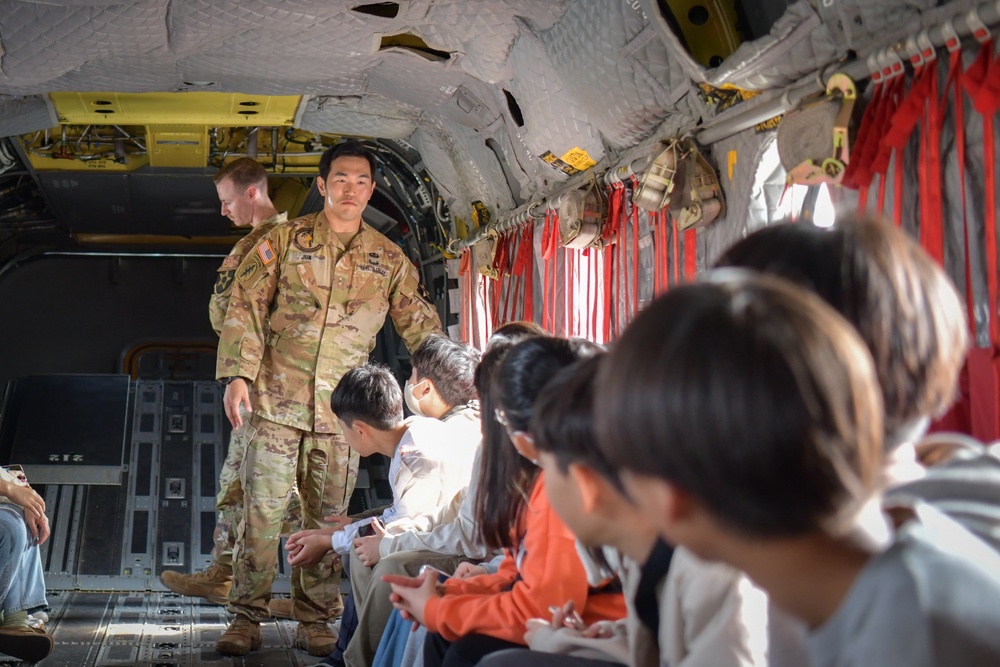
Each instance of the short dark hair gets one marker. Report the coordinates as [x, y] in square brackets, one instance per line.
[900, 301]
[243, 172]
[370, 393]
[450, 366]
[563, 419]
[350, 148]
[753, 396]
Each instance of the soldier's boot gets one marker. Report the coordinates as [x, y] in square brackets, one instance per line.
[315, 638]
[212, 584]
[241, 637]
[280, 607]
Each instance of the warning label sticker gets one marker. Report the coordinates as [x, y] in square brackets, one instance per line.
[572, 162]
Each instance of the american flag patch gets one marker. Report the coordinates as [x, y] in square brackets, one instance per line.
[265, 252]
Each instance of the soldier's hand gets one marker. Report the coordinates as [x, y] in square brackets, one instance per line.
[237, 393]
[307, 550]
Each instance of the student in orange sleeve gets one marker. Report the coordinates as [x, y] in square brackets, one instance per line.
[470, 618]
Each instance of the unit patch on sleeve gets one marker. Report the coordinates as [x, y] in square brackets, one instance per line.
[224, 281]
[231, 262]
[266, 253]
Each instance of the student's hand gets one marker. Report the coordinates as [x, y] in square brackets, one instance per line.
[566, 617]
[237, 393]
[467, 570]
[338, 522]
[367, 548]
[26, 498]
[39, 527]
[412, 600]
[307, 547]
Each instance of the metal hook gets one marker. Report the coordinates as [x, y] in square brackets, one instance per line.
[951, 39]
[976, 26]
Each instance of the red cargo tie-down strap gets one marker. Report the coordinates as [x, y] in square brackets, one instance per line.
[982, 81]
[612, 251]
[524, 269]
[690, 254]
[892, 96]
[858, 174]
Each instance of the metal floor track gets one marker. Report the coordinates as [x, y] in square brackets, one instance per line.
[153, 630]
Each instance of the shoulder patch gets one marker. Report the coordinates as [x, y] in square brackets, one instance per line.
[224, 281]
[251, 268]
[265, 252]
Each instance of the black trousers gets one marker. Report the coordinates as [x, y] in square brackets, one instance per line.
[467, 651]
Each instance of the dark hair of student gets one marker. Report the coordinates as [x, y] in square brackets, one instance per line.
[243, 172]
[563, 420]
[517, 329]
[900, 301]
[350, 148]
[506, 477]
[563, 426]
[450, 366]
[753, 396]
[371, 394]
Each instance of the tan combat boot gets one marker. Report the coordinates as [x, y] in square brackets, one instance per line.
[212, 584]
[241, 637]
[315, 638]
[280, 607]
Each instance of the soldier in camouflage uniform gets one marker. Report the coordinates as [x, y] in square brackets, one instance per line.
[307, 303]
[242, 189]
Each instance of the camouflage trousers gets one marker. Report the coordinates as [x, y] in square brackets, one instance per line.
[277, 458]
[229, 501]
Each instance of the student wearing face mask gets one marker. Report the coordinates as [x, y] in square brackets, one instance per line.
[440, 387]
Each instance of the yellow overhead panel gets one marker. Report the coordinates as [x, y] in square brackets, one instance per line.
[179, 108]
[177, 146]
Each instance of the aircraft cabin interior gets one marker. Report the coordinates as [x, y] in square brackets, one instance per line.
[561, 162]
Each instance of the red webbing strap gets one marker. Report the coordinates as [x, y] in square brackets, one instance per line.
[986, 101]
[466, 281]
[880, 163]
[690, 254]
[552, 256]
[677, 252]
[955, 78]
[653, 219]
[933, 241]
[567, 291]
[547, 287]
[635, 246]
[526, 264]
[574, 280]
[903, 120]
[486, 304]
[621, 302]
[514, 284]
[856, 176]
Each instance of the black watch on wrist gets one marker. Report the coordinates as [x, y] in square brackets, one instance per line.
[225, 381]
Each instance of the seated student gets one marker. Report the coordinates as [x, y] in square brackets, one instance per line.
[440, 387]
[23, 527]
[469, 618]
[898, 299]
[746, 419]
[426, 470]
[401, 643]
[682, 611]
[454, 536]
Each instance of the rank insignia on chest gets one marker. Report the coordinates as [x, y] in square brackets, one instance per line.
[265, 252]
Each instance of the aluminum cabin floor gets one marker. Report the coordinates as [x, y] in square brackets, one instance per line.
[152, 629]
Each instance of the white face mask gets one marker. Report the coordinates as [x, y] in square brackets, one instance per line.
[412, 402]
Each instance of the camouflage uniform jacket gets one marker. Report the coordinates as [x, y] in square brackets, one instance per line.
[322, 306]
[219, 302]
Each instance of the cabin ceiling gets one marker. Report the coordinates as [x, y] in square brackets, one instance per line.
[497, 101]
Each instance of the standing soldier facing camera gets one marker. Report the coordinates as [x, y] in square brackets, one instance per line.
[307, 303]
[242, 189]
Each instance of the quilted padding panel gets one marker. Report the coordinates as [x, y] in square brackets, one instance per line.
[37, 52]
[614, 67]
[554, 123]
[20, 115]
